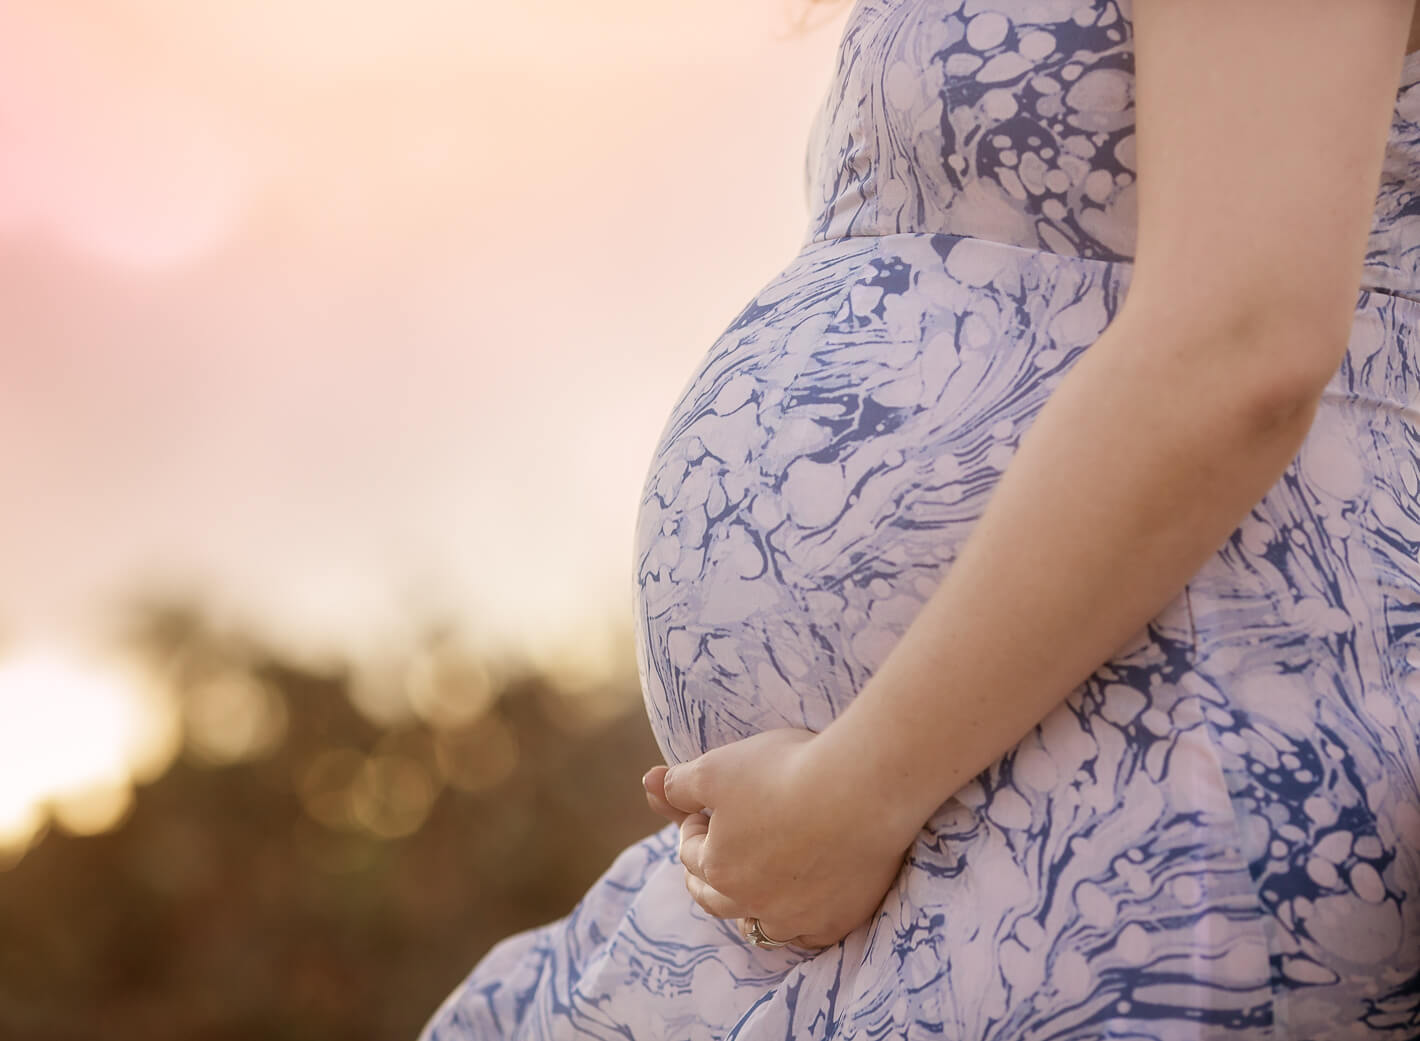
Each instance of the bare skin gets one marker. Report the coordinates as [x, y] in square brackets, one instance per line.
[1152, 450]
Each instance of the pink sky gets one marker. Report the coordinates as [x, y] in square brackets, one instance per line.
[311, 307]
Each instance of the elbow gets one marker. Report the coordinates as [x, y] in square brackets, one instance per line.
[1269, 365]
[1283, 408]
[1284, 369]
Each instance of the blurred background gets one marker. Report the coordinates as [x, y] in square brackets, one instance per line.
[335, 339]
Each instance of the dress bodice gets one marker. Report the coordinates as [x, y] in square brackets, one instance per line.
[1013, 120]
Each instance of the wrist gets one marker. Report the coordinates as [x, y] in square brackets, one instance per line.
[860, 768]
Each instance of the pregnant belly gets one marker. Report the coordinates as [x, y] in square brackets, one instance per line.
[820, 471]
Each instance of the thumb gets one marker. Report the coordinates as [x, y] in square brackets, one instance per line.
[689, 786]
[654, 782]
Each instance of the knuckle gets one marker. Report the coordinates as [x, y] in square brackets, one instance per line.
[716, 872]
[695, 892]
[715, 881]
[674, 779]
[707, 903]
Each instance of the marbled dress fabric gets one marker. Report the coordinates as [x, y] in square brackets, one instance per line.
[1218, 834]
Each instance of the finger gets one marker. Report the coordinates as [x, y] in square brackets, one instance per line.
[688, 787]
[692, 843]
[654, 783]
[665, 809]
[711, 899]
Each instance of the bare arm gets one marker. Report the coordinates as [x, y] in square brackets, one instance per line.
[1261, 132]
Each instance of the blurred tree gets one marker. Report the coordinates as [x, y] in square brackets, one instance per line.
[304, 873]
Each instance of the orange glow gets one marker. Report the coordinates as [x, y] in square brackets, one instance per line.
[77, 732]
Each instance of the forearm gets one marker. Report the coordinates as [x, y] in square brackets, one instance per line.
[1132, 475]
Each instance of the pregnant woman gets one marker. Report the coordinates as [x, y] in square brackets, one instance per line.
[1028, 579]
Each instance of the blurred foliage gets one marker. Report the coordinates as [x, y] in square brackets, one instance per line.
[302, 872]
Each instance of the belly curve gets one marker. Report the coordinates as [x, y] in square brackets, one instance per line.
[822, 467]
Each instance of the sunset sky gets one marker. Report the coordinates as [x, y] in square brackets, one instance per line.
[323, 313]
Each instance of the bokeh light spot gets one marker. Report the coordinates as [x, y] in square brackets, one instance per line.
[477, 758]
[447, 693]
[325, 785]
[391, 796]
[93, 810]
[232, 717]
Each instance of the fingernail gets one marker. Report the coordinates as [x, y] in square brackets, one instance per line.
[646, 779]
[667, 779]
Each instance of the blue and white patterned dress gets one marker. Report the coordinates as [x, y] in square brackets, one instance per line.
[1218, 834]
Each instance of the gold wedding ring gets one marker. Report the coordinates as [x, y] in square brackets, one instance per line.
[755, 934]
